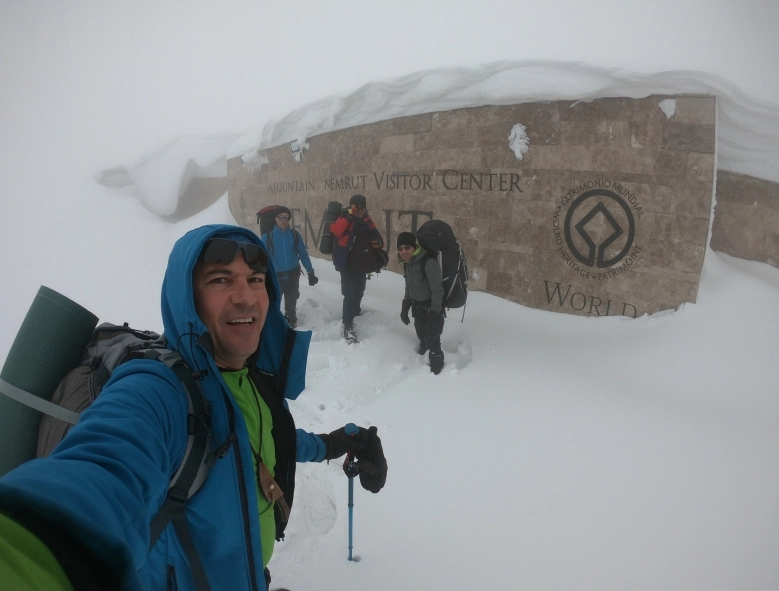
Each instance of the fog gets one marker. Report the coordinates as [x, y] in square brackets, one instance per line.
[656, 471]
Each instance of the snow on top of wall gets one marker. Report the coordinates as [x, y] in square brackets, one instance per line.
[162, 178]
[747, 128]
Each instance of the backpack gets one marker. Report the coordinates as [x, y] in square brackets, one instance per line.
[438, 239]
[266, 217]
[109, 347]
[363, 257]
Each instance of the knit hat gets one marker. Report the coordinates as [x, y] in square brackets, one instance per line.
[407, 239]
[281, 209]
[358, 200]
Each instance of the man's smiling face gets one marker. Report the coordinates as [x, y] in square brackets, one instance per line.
[232, 301]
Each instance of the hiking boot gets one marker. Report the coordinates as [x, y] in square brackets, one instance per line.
[421, 348]
[350, 333]
[436, 359]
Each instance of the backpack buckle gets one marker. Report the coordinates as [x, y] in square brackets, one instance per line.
[177, 497]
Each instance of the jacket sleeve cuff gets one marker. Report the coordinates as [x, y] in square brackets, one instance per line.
[310, 447]
[324, 439]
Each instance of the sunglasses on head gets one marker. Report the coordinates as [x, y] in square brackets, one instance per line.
[282, 217]
[222, 251]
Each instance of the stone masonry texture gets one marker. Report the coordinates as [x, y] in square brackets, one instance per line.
[746, 220]
[606, 214]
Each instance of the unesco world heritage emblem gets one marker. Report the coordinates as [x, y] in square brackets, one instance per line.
[594, 228]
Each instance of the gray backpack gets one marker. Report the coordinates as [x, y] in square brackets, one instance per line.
[109, 347]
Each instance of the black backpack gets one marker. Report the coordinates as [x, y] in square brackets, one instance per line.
[363, 257]
[109, 347]
[266, 218]
[438, 239]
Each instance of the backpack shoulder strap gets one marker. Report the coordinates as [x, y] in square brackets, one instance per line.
[423, 262]
[193, 469]
[270, 240]
[295, 239]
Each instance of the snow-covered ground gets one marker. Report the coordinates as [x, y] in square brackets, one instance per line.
[553, 451]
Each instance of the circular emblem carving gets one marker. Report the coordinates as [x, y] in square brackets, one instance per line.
[599, 228]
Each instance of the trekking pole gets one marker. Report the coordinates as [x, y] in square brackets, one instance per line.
[351, 469]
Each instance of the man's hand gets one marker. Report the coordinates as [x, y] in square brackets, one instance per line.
[434, 326]
[372, 463]
[405, 307]
[312, 279]
[367, 449]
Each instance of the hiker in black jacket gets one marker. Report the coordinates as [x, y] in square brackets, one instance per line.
[358, 242]
[424, 298]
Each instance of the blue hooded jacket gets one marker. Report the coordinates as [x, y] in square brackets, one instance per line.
[108, 478]
[285, 254]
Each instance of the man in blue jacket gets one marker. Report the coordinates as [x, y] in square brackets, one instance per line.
[87, 508]
[287, 250]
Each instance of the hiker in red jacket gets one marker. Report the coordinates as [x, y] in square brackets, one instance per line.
[355, 256]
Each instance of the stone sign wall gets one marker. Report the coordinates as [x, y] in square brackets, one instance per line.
[595, 209]
[746, 221]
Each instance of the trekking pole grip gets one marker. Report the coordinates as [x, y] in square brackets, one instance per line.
[351, 469]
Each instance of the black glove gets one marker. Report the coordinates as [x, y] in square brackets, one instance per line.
[366, 446]
[372, 463]
[312, 279]
[405, 307]
[434, 325]
[338, 442]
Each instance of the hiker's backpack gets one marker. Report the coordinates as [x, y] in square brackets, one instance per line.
[327, 242]
[438, 239]
[363, 257]
[109, 347]
[266, 217]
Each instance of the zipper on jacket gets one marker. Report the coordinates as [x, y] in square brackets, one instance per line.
[172, 584]
[244, 496]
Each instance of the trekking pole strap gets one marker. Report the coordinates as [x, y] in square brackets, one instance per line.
[37, 403]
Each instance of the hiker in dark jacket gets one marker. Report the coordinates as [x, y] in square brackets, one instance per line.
[287, 251]
[354, 257]
[424, 298]
[81, 517]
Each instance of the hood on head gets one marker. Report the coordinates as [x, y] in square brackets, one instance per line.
[183, 327]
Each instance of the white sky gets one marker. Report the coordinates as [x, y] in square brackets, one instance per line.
[554, 451]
